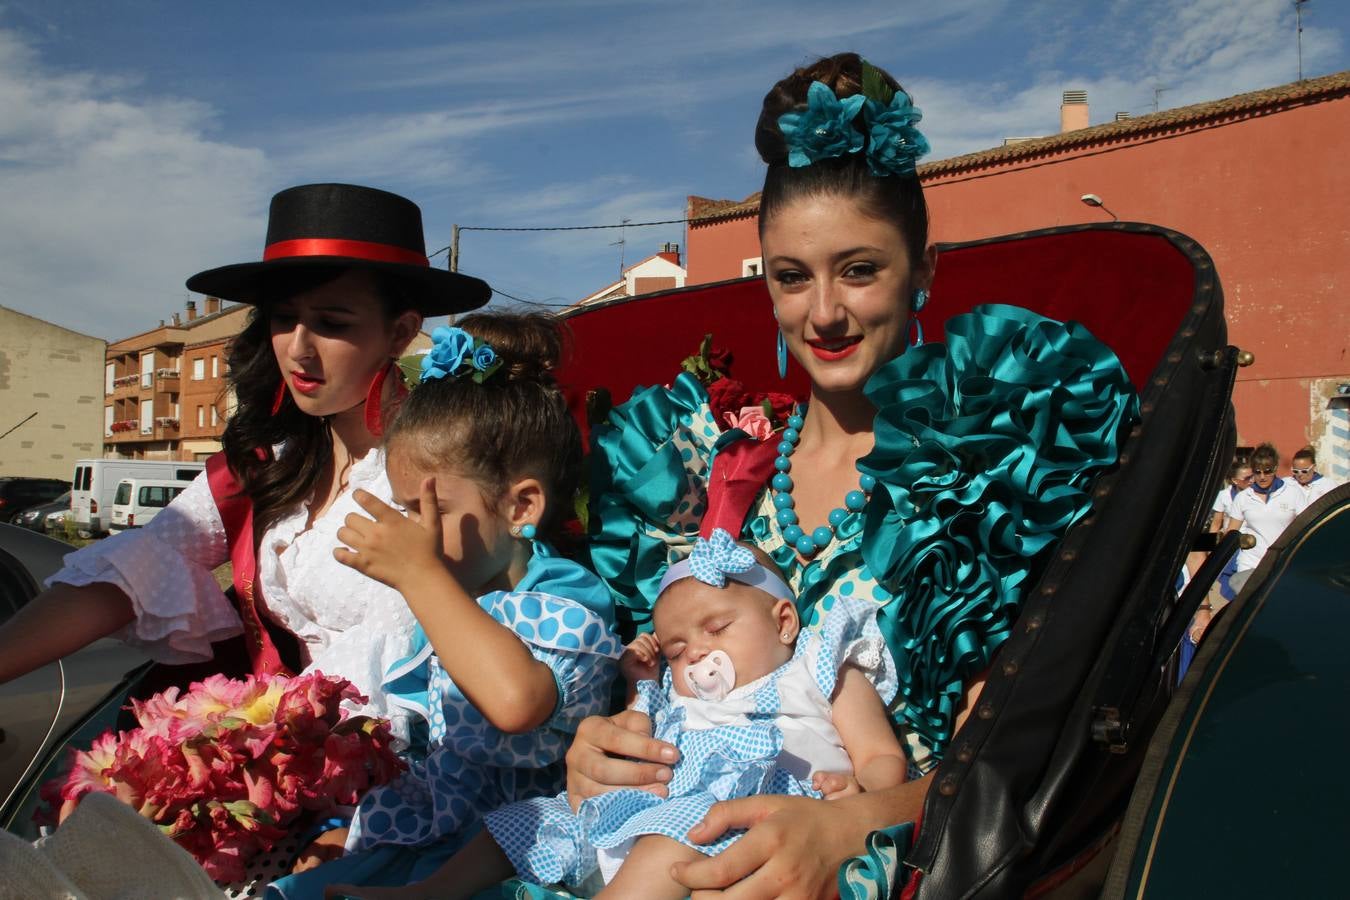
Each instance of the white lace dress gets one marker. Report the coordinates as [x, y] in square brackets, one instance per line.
[349, 625]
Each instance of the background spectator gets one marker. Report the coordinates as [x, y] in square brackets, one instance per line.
[1313, 483]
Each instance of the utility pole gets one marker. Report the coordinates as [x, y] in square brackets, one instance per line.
[1298, 21]
[454, 248]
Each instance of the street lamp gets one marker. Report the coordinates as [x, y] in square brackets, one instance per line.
[1094, 200]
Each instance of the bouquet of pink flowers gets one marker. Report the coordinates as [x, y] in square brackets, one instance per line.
[224, 768]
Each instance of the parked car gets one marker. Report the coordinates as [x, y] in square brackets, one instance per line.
[96, 483]
[39, 712]
[138, 500]
[17, 493]
[35, 518]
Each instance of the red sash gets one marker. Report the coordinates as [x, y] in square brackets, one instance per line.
[236, 514]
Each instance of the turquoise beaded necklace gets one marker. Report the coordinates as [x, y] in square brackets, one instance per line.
[808, 545]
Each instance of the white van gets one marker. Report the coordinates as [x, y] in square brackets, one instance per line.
[95, 484]
[138, 500]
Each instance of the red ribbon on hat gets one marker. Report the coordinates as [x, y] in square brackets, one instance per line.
[352, 249]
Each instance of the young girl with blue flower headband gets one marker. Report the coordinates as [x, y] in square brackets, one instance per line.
[752, 710]
[515, 644]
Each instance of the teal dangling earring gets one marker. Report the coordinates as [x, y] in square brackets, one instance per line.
[918, 302]
[782, 346]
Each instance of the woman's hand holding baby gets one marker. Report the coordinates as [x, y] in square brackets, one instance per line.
[617, 751]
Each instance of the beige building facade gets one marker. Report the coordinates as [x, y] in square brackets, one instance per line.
[51, 397]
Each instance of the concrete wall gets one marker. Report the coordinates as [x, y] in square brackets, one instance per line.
[1267, 196]
[56, 374]
[718, 251]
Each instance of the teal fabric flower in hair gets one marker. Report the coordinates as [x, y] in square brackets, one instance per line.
[894, 145]
[824, 129]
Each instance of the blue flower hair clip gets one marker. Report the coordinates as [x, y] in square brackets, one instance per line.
[455, 354]
[826, 129]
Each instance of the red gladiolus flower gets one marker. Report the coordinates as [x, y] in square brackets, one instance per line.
[226, 767]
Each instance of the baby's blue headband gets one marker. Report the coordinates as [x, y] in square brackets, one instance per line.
[718, 558]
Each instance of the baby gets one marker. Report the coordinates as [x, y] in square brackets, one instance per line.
[748, 705]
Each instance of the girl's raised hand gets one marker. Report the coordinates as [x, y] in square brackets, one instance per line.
[390, 547]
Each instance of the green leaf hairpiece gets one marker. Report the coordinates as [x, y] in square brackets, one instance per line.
[874, 86]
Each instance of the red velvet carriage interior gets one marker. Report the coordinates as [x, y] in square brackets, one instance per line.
[1131, 288]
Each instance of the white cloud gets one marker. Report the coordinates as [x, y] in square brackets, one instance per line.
[110, 202]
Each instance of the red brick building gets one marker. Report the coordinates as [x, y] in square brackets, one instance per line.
[1258, 179]
[160, 383]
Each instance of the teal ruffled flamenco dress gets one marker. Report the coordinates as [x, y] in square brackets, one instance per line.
[985, 447]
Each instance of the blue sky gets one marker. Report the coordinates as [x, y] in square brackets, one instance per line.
[141, 140]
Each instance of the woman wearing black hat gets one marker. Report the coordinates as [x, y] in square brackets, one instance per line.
[342, 289]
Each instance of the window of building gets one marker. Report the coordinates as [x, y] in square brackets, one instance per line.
[215, 367]
[147, 416]
[108, 413]
[215, 417]
[199, 368]
[148, 370]
[201, 416]
[108, 377]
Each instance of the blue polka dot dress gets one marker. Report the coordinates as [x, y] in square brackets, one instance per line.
[562, 613]
[766, 737]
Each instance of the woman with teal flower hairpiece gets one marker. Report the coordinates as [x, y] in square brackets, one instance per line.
[924, 478]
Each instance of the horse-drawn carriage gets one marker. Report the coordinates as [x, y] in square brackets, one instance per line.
[1031, 793]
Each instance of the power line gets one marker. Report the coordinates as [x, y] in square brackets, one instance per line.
[577, 227]
[531, 302]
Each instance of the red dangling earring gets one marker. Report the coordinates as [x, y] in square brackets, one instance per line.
[280, 398]
[374, 398]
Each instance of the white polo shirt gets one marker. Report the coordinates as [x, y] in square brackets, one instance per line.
[1266, 519]
[1319, 487]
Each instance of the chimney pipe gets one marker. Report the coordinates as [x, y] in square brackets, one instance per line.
[1073, 112]
[191, 310]
[212, 305]
[176, 321]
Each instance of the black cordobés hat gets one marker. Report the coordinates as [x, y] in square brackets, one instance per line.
[348, 226]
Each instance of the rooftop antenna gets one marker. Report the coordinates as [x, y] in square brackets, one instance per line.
[1158, 91]
[621, 243]
[1298, 20]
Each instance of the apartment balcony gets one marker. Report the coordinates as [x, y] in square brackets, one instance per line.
[166, 380]
[166, 427]
[126, 386]
[123, 432]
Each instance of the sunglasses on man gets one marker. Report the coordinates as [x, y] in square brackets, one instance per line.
[1270, 471]
[1297, 471]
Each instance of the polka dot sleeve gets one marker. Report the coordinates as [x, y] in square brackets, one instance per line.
[166, 570]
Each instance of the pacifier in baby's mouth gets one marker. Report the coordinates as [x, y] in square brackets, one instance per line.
[712, 677]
